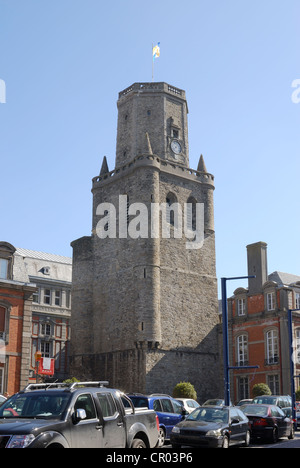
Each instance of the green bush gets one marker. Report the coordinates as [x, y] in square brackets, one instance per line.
[185, 390]
[71, 381]
[261, 389]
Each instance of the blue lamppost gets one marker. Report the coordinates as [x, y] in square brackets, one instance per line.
[227, 367]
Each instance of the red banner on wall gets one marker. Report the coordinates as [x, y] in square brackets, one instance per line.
[46, 366]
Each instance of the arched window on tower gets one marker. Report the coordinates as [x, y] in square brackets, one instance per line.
[170, 212]
[191, 214]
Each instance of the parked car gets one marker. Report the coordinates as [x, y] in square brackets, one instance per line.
[215, 402]
[2, 399]
[244, 402]
[283, 402]
[83, 415]
[168, 410]
[268, 422]
[189, 404]
[298, 413]
[212, 426]
[298, 419]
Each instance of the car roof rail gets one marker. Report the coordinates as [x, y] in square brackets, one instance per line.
[161, 394]
[100, 383]
[44, 386]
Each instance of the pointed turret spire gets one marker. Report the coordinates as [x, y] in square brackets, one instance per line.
[201, 165]
[149, 148]
[104, 167]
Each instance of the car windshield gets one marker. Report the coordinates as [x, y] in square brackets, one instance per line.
[255, 410]
[32, 405]
[216, 415]
[267, 400]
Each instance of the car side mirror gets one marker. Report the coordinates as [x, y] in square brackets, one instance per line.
[184, 412]
[80, 415]
[235, 421]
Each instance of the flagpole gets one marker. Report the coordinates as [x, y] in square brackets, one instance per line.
[152, 65]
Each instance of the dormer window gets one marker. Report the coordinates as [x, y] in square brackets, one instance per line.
[3, 268]
[6, 260]
[297, 300]
[270, 301]
[241, 303]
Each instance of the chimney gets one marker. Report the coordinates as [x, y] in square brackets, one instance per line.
[258, 266]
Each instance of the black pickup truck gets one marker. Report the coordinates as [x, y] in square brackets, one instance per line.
[81, 415]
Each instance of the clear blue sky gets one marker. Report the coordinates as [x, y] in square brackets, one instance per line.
[64, 62]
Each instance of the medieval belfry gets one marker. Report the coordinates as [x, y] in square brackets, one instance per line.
[144, 304]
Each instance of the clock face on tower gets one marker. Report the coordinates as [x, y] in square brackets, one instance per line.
[176, 146]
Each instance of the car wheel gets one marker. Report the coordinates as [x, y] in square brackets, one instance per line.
[247, 439]
[225, 444]
[292, 434]
[161, 437]
[138, 443]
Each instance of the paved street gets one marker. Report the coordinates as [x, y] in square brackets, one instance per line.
[283, 443]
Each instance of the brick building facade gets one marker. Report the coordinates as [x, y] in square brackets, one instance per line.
[258, 327]
[15, 324]
[35, 309]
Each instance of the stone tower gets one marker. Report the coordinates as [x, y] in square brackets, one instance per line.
[145, 303]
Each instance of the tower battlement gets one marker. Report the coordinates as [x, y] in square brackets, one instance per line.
[156, 162]
[152, 87]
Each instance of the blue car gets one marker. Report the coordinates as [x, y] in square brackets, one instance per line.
[169, 411]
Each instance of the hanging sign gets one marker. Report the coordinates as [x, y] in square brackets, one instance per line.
[46, 366]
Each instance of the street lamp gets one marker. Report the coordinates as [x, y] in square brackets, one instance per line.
[227, 367]
[292, 367]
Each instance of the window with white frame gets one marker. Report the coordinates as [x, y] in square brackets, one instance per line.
[242, 350]
[297, 300]
[46, 349]
[272, 344]
[298, 345]
[3, 323]
[36, 297]
[241, 307]
[47, 296]
[3, 268]
[57, 298]
[273, 384]
[271, 301]
[46, 329]
[243, 388]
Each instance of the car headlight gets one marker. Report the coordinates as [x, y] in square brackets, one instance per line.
[176, 430]
[20, 441]
[216, 433]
